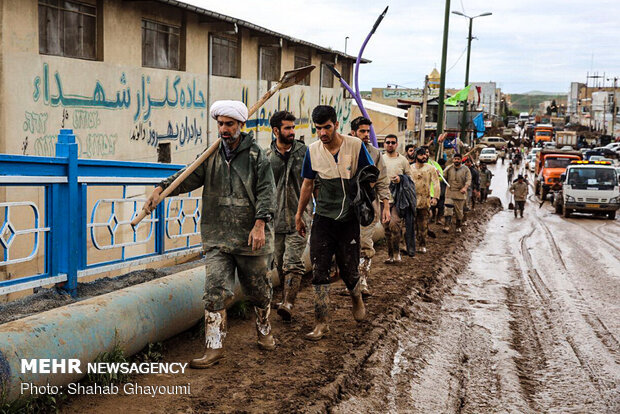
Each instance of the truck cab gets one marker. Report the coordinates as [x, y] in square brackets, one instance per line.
[550, 165]
[589, 187]
[543, 133]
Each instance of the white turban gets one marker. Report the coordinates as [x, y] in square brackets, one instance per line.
[232, 109]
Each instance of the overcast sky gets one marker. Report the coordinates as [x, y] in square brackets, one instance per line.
[525, 45]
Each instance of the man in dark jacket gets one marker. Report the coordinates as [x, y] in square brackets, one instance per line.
[286, 156]
[238, 204]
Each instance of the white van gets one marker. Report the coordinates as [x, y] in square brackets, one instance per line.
[589, 187]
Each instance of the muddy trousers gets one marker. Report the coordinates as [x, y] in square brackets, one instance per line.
[519, 207]
[421, 220]
[455, 208]
[288, 252]
[367, 232]
[220, 279]
[393, 231]
[438, 209]
[330, 237]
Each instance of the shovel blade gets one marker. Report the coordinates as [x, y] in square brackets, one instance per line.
[293, 77]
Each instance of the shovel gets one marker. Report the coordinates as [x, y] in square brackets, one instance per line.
[289, 78]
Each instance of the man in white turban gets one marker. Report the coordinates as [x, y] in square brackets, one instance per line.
[238, 204]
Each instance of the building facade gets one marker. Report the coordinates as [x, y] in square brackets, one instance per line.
[135, 80]
[134, 77]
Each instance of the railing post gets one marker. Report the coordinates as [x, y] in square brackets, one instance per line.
[160, 228]
[68, 217]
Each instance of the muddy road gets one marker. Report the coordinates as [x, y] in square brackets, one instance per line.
[532, 325]
[512, 315]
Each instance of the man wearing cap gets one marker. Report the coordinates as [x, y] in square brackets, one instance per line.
[238, 204]
[424, 175]
[458, 177]
[519, 190]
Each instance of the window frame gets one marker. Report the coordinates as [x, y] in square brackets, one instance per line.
[178, 34]
[237, 40]
[96, 29]
[325, 70]
[277, 63]
[303, 57]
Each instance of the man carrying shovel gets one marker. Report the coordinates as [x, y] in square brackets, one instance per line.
[238, 204]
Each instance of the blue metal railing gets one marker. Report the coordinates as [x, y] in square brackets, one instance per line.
[62, 233]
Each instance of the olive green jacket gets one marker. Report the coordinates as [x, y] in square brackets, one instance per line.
[235, 195]
[287, 175]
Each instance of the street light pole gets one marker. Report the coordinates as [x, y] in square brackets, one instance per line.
[469, 38]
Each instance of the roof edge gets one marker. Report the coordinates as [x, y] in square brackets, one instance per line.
[252, 26]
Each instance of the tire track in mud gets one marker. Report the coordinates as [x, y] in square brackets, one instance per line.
[550, 302]
[600, 329]
[598, 236]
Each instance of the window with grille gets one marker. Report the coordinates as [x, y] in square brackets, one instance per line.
[269, 63]
[225, 56]
[327, 77]
[302, 58]
[68, 28]
[160, 45]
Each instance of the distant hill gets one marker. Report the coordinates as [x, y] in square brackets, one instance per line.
[525, 102]
[542, 93]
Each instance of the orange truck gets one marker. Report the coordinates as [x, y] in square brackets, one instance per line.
[543, 133]
[550, 165]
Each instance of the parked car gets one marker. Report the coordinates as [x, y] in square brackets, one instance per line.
[549, 145]
[496, 142]
[531, 162]
[596, 158]
[489, 154]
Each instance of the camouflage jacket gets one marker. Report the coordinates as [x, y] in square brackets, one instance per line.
[287, 175]
[235, 195]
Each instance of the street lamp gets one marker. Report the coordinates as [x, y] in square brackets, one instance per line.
[345, 44]
[471, 19]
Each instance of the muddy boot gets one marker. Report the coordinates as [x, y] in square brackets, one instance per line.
[458, 226]
[263, 329]
[358, 309]
[321, 313]
[215, 331]
[291, 287]
[448, 221]
[364, 270]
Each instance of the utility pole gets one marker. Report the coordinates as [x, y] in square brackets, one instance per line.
[424, 105]
[613, 110]
[442, 81]
[464, 118]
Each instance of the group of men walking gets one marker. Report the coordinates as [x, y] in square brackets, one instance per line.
[259, 208]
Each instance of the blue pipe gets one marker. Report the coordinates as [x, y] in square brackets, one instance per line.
[133, 317]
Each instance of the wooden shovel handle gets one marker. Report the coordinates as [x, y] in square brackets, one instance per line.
[190, 169]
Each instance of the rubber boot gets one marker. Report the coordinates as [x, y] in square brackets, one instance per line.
[458, 225]
[358, 309]
[364, 270]
[215, 332]
[291, 287]
[263, 329]
[321, 313]
[448, 221]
